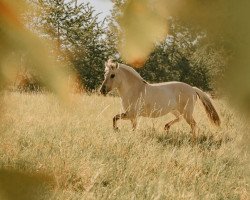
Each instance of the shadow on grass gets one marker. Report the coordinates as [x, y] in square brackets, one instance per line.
[15, 184]
[184, 139]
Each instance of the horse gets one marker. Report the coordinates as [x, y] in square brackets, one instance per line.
[139, 98]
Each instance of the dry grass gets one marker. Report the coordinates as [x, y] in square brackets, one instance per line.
[87, 160]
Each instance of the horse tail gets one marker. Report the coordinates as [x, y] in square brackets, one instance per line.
[210, 110]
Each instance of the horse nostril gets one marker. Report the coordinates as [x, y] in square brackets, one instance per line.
[103, 90]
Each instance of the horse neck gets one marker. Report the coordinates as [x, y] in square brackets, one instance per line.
[130, 86]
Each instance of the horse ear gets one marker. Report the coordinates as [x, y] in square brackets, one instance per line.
[110, 64]
[116, 65]
[107, 67]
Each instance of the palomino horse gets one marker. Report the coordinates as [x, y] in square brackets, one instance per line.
[140, 98]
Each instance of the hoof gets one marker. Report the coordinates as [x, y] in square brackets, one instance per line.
[166, 128]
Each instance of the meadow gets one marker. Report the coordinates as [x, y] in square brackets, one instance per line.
[75, 146]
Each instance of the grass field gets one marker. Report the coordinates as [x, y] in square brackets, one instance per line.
[76, 147]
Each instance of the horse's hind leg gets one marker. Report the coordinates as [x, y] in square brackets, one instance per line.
[177, 115]
[187, 111]
[190, 120]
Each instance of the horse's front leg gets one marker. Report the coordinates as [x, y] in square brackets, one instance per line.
[116, 118]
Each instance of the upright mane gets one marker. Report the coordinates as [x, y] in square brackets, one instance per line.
[132, 71]
[112, 64]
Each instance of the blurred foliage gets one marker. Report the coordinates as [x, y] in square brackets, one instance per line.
[17, 41]
[137, 21]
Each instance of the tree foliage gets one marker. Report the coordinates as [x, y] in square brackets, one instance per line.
[79, 36]
[85, 43]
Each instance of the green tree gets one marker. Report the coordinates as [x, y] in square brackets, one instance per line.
[79, 36]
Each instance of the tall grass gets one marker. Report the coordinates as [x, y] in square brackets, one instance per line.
[87, 160]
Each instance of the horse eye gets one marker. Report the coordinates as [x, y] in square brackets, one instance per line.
[112, 76]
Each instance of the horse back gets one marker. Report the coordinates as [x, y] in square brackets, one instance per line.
[171, 96]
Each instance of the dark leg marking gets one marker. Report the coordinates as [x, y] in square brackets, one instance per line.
[116, 118]
[167, 126]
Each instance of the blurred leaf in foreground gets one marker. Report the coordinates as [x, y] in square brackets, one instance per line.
[15, 38]
[142, 26]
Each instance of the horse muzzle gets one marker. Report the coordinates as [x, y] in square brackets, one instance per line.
[104, 90]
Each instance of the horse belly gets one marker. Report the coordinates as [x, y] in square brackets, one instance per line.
[154, 113]
[157, 108]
